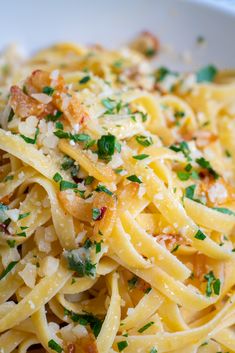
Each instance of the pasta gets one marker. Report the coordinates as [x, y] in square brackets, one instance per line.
[117, 204]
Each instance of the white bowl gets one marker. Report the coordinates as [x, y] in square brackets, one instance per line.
[177, 23]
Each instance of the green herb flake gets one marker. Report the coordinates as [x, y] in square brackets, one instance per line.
[89, 180]
[9, 177]
[202, 162]
[199, 235]
[145, 327]
[161, 73]
[55, 346]
[82, 265]
[30, 140]
[48, 90]
[189, 191]
[11, 115]
[67, 163]
[108, 103]
[54, 117]
[153, 350]
[182, 147]
[134, 179]
[206, 74]
[22, 234]
[140, 156]
[11, 243]
[132, 282]
[227, 153]
[102, 188]
[98, 246]
[144, 140]
[59, 125]
[23, 215]
[176, 247]
[96, 213]
[106, 146]
[9, 267]
[64, 185]
[122, 345]
[57, 177]
[183, 175]
[213, 284]
[85, 79]
[224, 210]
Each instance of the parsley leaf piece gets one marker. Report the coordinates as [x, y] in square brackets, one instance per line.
[23, 215]
[98, 246]
[153, 350]
[206, 165]
[144, 140]
[80, 263]
[85, 79]
[102, 188]
[189, 191]
[55, 346]
[10, 116]
[59, 125]
[145, 327]
[30, 140]
[176, 247]
[9, 267]
[54, 117]
[212, 284]
[122, 345]
[57, 177]
[182, 147]
[108, 103]
[206, 74]
[134, 179]
[86, 319]
[64, 185]
[161, 73]
[140, 156]
[11, 243]
[89, 180]
[132, 282]
[224, 210]
[199, 235]
[96, 213]
[67, 163]
[106, 146]
[183, 175]
[48, 90]
[61, 134]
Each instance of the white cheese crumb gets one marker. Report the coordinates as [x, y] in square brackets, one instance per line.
[13, 214]
[42, 97]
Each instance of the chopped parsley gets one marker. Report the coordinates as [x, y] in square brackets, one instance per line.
[9, 267]
[206, 165]
[176, 247]
[67, 163]
[161, 73]
[140, 156]
[30, 140]
[150, 52]
[85, 79]
[224, 210]
[182, 147]
[134, 179]
[199, 235]
[57, 177]
[102, 188]
[189, 191]
[98, 246]
[106, 146]
[11, 243]
[145, 327]
[10, 116]
[23, 215]
[144, 140]
[48, 90]
[61, 134]
[108, 103]
[59, 125]
[9, 177]
[183, 175]
[64, 185]
[227, 153]
[153, 350]
[89, 180]
[132, 282]
[22, 234]
[80, 263]
[86, 319]
[96, 213]
[55, 346]
[122, 345]
[206, 74]
[54, 117]
[213, 284]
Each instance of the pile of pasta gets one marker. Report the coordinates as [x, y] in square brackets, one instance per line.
[117, 204]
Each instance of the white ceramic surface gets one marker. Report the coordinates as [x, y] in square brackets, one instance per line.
[177, 23]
